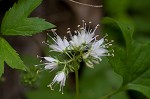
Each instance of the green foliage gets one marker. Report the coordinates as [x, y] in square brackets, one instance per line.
[15, 21]
[132, 63]
[9, 55]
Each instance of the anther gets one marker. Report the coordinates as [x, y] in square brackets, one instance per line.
[106, 40]
[112, 40]
[83, 21]
[113, 50]
[112, 55]
[68, 28]
[75, 32]
[53, 30]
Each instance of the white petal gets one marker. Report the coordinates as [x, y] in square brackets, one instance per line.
[50, 59]
[66, 43]
[56, 48]
[101, 41]
[60, 43]
[50, 66]
[60, 76]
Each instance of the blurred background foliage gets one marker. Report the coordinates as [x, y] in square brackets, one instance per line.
[97, 82]
[131, 11]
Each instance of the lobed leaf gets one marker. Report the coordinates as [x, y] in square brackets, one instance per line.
[133, 63]
[9, 55]
[15, 21]
[29, 26]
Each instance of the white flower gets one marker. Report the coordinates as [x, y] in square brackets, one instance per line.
[97, 49]
[83, 36]
[60, 44]
[83, 47]
[59, 78]
[51, 64]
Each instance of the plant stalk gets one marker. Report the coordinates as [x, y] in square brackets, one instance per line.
[77, 84]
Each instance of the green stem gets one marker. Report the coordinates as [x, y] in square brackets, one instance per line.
[77, 84]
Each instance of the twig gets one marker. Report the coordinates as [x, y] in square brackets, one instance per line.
[96, 6]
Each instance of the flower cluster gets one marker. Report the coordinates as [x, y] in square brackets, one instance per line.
[82, 47]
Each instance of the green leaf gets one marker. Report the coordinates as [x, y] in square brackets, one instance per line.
[29, 26]
[142, 84]
[133, 67]
[138, 59]
[1, 59]
[9, 55]
[15, 21]
[119, 64]
[133, 63]
[126, 29]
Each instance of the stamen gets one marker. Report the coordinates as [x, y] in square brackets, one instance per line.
[113, 50]
[54, 32]
[108, 54]
[40, 64]
[52, 38]
[46, 43]
[105, 35]
[84, 25]
[100, 59]
[78, 26]
[89, 27]
[106, 40]
[112, 55]
[96, 28]
[69, 32]
[75, 32]
[50, 86]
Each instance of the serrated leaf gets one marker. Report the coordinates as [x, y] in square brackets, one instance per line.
[29, 26]
[9, 55]
[15, 21]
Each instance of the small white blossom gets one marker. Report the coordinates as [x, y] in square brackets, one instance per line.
[97, 50]
[60, 78]
[51, 63]
[60, 44]
[83, 37]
